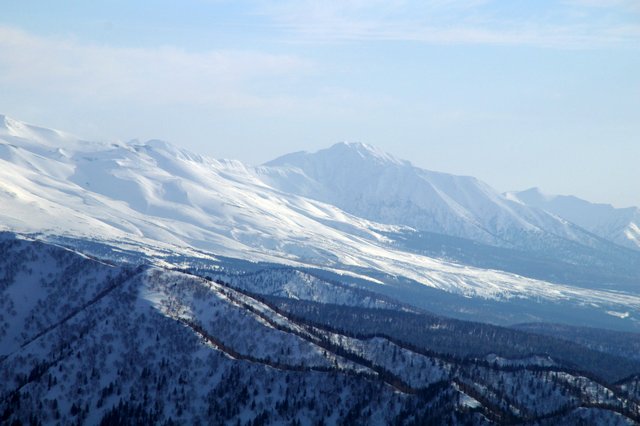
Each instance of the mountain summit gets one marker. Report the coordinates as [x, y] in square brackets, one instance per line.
[370, 183]
[342, 154]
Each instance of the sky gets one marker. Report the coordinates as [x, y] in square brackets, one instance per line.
[516, 93]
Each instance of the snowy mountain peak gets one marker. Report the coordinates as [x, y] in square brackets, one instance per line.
[604, 220]
[343, 154]
[530, 196]
[367, 182]
[159, 144]
[364, 151]
[166, 149]
[7, 124]
[11, 127]
[40, 139]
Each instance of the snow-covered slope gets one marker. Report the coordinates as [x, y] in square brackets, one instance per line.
[147, 345]
[369, 183]
[620, 225]
[161, 193]
[163, 197]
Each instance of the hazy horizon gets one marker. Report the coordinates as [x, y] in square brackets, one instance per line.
[518, 95]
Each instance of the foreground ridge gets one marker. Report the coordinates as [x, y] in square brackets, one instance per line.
[149, 344]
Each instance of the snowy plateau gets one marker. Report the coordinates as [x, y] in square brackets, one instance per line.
[141, 283]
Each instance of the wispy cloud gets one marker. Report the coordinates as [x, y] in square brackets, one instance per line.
[563, 24]
[629, 5]
[71, 68]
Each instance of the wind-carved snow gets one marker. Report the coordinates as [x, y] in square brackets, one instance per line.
[162, 196]
[633, 233]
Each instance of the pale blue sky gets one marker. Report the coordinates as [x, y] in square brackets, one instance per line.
[516, 93]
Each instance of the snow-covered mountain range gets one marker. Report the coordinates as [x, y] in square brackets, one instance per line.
[141, 283]
[620, 225]
[84, 341]
[338, 210]
[366, 182]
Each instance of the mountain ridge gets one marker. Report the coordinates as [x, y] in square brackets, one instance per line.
[111, 344]
[392, 191]
[162, 198]
[620, 225]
